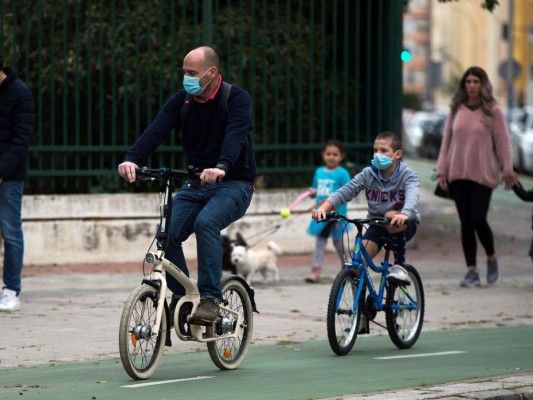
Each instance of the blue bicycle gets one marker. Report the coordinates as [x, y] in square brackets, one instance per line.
[350, 309]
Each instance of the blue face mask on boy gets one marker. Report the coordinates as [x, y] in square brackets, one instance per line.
[381, 162]
[191, 84]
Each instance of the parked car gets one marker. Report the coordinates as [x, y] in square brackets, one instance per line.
[521, 131]
[514, 118]
[423, 134]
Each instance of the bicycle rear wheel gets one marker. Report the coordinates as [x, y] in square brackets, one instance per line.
[141, 348]
[344, 312]
[404, 312]
[229, 353]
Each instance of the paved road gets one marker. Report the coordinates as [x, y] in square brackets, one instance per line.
[294, 370]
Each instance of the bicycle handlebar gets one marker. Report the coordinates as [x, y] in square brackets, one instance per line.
[163, 173]
[380, 221]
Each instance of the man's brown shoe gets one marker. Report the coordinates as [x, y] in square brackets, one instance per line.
[207, 311]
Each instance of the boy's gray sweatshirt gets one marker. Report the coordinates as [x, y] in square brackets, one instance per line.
[400, 192]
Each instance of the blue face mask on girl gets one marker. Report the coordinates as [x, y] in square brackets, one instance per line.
[191, 84]
[381, 162]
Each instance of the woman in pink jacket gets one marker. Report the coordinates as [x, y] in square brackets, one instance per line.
[474, 157]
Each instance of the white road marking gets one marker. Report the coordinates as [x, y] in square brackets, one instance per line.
[442, 353]
[137, 385]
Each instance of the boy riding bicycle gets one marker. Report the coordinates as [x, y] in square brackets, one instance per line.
[392, 190]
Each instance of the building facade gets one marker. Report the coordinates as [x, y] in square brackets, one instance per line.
[447, 38]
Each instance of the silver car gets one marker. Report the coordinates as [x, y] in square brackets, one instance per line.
[423, 134]
[521, 131]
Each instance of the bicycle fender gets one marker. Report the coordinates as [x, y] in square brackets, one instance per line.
[249, 289]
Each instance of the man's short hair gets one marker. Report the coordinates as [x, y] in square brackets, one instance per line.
[395, 139]
[1, 61]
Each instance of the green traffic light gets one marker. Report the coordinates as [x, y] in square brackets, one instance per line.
[406, 56]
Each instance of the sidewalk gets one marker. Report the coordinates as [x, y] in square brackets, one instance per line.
[71, 312]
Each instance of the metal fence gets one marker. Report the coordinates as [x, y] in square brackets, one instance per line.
[101, 70]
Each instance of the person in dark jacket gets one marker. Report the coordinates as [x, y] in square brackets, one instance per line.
[526, 195]
[215, 134]
[16, 128]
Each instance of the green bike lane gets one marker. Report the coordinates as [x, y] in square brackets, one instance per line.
[291, 370]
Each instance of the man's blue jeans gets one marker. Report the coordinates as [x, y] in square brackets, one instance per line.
[205, 210]
[11, 232]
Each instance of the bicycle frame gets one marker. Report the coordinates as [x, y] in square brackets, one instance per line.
[192, 295]
[360, 258]
[157, 278]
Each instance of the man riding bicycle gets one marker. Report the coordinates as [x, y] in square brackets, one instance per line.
[215, 134]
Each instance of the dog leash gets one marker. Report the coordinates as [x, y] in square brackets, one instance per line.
[273, 229]
[266, 232]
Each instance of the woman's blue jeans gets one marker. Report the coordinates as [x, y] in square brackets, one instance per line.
[205, 210]
[11, 232]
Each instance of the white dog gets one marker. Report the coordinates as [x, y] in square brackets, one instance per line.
[263, 261]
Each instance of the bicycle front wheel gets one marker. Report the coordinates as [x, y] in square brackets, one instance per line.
[229, 353]
[141, 348]
[404, 312]
[344, 312]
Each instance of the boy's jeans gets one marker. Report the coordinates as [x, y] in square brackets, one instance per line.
[11, 232]
[205, 210]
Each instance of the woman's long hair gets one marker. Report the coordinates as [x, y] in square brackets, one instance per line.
[487, 99]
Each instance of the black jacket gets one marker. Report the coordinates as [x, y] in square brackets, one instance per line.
[211, 136]
[17, 115]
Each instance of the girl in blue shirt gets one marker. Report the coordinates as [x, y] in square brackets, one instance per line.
[326, 181]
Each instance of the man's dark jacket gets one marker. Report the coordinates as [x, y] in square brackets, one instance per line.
[211, 136]
[17, 115]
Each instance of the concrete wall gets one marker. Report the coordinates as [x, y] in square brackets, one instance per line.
[117, 228]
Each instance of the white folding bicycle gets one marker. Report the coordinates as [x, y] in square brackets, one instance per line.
[144, 325]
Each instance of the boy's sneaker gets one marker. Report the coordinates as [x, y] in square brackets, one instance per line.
[471, 279]
[492, 271]
[9, 301]
[207, 311]
[398, 274]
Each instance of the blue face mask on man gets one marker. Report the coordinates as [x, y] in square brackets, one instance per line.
[191, 84]
[381, 162]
